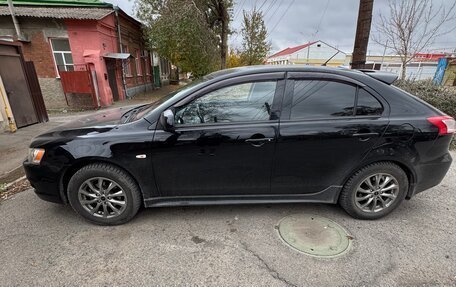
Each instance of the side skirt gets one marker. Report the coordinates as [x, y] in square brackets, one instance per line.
[328, 195]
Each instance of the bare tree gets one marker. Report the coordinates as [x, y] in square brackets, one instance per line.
[412, 26]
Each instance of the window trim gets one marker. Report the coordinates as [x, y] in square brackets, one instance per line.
[56, 67]
[202, 126]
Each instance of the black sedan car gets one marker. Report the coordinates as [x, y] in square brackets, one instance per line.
[250, 135]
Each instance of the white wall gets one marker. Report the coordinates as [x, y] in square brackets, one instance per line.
[317, 51]
[415, 71]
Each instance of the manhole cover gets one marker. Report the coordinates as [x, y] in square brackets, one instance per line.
[314, 235]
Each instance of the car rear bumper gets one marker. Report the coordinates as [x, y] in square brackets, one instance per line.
[431, 174]
[45, 182]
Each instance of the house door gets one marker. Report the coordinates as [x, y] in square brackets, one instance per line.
[111, 67]
[16, 86]
[157, 76]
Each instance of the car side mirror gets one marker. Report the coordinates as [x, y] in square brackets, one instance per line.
[167, 119]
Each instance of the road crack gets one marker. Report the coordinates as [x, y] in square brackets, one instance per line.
[270, 270]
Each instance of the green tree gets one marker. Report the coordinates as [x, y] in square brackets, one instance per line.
[218, 19]
[178, 30]
[255, 47]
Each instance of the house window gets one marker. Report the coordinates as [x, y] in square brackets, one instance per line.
[127, 63]
[146, 61]
[164, 67]
[138, 62]
[62, 54]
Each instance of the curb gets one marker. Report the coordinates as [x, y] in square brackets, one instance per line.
[15, 181]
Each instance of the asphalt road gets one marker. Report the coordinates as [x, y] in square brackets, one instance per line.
[47, 244]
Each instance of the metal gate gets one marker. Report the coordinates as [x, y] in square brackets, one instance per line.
[12, 71]
[82, 81]
[35, 89]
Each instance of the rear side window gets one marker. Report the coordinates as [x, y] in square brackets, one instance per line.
[313, 99]
[367, 104]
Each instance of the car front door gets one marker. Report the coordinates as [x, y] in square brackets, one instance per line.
[223, 139]
[328, 126]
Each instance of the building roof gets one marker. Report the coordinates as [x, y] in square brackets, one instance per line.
[80, 13]
[72, 3]
[291, 50]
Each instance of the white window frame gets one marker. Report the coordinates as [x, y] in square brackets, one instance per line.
[63, 56]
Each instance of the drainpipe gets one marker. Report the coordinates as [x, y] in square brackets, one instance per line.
[11, 124]
[124, 83]
[15, 22]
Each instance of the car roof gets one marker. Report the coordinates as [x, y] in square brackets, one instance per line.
[247, 70]
[382, 76]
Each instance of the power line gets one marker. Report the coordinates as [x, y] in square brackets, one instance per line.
[321, 19]
[273, 13]
[285, 12]
[262, 5]
[269, 7]
[239, 10]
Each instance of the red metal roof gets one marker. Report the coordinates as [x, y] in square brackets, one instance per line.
[429, 56]
[291, 50]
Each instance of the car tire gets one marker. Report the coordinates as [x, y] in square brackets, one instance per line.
[363, 196]
[116, 202]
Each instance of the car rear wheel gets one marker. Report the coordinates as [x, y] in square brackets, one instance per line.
[104, 194]
[374, 191]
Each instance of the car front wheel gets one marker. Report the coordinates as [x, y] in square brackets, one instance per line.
[104, 194]
[374, 191]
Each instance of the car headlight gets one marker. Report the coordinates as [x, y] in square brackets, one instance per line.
[35, 155]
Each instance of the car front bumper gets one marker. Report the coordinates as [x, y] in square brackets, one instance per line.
[45, 181]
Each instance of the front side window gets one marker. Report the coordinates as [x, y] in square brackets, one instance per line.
[62, 54]
[239, 103]
[314, 99]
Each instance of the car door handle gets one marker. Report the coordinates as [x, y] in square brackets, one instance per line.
[365, 135]
[258, 142]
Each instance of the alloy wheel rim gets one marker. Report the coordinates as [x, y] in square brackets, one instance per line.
[102, 197]
[376, 192]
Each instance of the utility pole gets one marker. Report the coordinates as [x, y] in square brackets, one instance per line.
[362, 34]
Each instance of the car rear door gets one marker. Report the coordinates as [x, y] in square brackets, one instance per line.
[223, 141]
[323, 134]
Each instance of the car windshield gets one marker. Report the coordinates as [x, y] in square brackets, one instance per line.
[144, 110]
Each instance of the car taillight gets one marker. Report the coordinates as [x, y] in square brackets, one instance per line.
[446, 124]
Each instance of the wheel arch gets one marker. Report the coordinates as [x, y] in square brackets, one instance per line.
[409, 171]
[80, 163]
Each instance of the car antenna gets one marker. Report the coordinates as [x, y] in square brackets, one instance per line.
[324, 64]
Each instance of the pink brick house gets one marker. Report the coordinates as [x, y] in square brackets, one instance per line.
[63, 36]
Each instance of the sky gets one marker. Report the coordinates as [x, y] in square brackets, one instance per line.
[295, 22]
